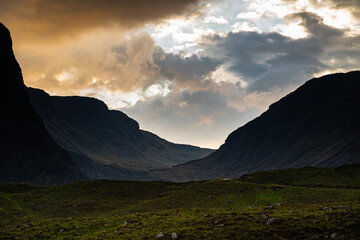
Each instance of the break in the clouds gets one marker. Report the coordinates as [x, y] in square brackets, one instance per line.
[190, 71]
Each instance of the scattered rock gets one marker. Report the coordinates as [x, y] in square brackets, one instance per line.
[29, 225]
[220, 225]
[333, 235]
[61, 229]
[174, 235]
[159, 235]
[251, 206]
[206, 215]
[126, 223]
[270, 220]
[269, 207]
[325, 208]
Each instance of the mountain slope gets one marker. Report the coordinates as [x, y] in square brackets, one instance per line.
[86, 126]
[316, 125]
[27, 152]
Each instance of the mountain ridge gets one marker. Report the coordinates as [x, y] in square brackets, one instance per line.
[27, 152]
[87, 127]
[316, 125]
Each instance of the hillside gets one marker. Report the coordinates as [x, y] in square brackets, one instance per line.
[217, 209]
[346, 176]
[86, 126]
[316, 125]
[27, 152]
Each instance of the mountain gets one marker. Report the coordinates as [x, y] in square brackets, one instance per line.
[316, 125]
[96, 135]
[27, 152]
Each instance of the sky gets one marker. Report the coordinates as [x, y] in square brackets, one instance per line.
[190, 71]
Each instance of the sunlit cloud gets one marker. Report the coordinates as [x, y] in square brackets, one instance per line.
[191, 71]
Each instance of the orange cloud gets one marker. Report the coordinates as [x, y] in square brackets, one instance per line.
[44, 20]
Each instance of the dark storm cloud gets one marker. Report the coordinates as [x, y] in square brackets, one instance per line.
[271, 60]
[184, 70]
[48, 20]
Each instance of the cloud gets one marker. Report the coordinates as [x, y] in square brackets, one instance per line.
[184, 70]
[200, 117]
[269, 61]
[120, 64]
[46, 21]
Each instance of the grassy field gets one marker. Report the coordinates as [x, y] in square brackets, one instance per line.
[269, 207]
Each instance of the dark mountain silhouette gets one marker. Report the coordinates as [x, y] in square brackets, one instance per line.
[96, 135]
[316, 125]
[27, 152]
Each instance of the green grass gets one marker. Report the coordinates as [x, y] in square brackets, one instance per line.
[217, 209]
[347, 176]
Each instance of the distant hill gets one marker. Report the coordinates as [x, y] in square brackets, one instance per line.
[316, 125]
[96, 135]
[27, 152]
[346, 176]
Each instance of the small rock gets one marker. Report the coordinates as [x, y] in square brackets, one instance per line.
[126, 222]
[61, 229]
[270, 220]
[251, 206]
[325, 208]
[206, 215]
[29, 225]
[211, 197]
[333, 235]
[159, 235]
[220, 225]
[269, 207]
[174, 235]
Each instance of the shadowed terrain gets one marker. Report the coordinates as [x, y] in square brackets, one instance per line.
[316, 125]
[88, 129]
[27, 152]
[216, 209]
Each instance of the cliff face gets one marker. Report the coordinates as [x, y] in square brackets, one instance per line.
[27, 152]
